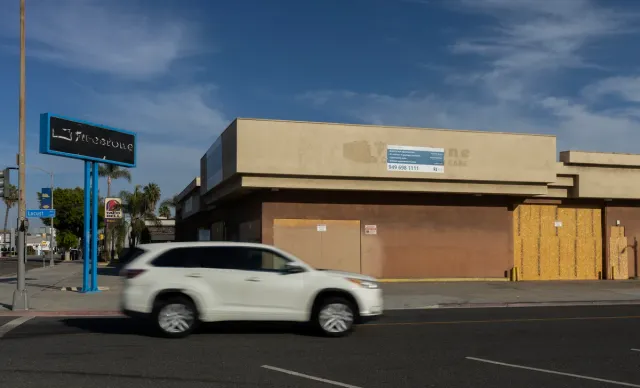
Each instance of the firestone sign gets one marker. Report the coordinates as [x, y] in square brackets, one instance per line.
[87, 141]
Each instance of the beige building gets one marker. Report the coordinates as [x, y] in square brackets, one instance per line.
[409, 203]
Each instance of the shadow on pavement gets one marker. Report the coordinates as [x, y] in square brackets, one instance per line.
[29, 373]
[109, 271]
[13, 280]
[127, 326]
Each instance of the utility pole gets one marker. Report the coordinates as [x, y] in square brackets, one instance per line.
[20, 297]
[51, 260]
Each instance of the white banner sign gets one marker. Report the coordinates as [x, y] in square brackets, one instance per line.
[415, 159]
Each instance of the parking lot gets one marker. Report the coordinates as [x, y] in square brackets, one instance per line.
[534, 347]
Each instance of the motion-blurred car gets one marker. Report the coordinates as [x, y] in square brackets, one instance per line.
[178, 285]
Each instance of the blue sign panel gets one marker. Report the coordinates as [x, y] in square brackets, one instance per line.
[45, 198]
[41, 213]
[71, 138]
[415, 159]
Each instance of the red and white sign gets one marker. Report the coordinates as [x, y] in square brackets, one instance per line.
[112, 208]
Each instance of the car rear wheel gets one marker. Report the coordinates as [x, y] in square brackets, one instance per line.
[175, 317]
[334, 317]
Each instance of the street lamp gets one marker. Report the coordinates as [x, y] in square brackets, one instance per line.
[51, 260]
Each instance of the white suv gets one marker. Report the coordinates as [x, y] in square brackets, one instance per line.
[178, 285]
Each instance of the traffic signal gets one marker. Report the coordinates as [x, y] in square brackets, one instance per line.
[4, 181]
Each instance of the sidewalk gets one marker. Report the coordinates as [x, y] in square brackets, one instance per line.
[510, 294]
[46, 296]
[45, 289]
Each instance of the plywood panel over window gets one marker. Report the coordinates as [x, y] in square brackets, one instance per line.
[326, 244]
[619, 253]
[557, 243]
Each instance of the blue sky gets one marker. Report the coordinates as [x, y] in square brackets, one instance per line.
[177, 72]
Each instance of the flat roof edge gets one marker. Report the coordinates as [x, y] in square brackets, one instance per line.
[489, 132]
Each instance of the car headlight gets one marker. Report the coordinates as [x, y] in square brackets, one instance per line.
[364, 283]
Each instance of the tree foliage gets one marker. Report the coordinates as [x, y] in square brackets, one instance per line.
[113, 172]
[164, 211]
[140, 206]
[10, 199]
[66, 240]
[167, 206]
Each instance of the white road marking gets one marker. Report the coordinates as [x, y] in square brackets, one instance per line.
[635, 350]
[290, 372]
[7, 327]
[553, 372]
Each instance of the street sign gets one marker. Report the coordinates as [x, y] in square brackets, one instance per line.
[41, 213]
[45, 198]
[79, 139]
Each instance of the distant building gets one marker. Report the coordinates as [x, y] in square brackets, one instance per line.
[162, 231]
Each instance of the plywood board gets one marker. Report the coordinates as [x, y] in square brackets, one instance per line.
[557, 243]
[300, 239]
[619, 253]
[341, 245]
[326, 244]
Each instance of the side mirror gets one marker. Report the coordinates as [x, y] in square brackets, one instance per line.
[293, 267]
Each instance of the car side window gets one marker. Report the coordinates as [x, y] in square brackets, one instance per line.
[242, 259]
[273, 262]
[178, 258]
[217, 258]
[255, 259]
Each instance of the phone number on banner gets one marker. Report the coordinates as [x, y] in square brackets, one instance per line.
[414, 167]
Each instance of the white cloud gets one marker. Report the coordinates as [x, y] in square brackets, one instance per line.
[103, 37]
[509, 89]
[627, 88]
[175, 128]
[181, 114]
[531, 38]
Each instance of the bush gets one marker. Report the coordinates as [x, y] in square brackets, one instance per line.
[66, 240]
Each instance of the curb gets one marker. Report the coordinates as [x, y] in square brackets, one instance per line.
[32, 313]
[78, 289]
[443, 280]
[520, 304]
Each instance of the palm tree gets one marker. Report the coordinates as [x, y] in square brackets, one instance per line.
[164, 211]
[112, 172]
[10, 199]
[140, 205]
[152, 192]
[167, 205]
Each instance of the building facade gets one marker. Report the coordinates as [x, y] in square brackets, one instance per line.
[414, 203]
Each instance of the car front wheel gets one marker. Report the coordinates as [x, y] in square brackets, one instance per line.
[334, 317]
[176, 317]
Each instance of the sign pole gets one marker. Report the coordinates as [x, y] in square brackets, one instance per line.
[85, 237]
[94, 229]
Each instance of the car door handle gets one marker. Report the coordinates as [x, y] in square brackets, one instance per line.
[252, 279]
[194, 275]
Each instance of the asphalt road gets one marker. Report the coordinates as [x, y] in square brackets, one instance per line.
[404, 349]
[8, 265]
